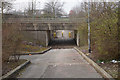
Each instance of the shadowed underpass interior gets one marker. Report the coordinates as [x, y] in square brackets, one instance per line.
[62, 43]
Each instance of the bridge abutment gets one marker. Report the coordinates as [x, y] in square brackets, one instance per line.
[47, 37]
[77, 37]
[40, 33]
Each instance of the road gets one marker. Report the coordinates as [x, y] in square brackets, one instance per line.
[58, 63]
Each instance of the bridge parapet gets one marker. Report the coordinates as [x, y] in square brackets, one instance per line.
[45, 20]
[47, 23]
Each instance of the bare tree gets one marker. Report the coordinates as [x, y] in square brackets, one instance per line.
[31, 9]
[103, 21]
[78, 11]
[54, 8]
[6, 5]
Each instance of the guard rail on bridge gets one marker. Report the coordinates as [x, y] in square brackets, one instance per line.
[44, 20]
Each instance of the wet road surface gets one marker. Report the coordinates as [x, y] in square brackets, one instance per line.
[58, 63]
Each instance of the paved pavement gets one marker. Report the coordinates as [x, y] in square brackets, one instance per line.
[58, 63]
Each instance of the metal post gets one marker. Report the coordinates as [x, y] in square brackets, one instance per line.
[119, 35]
[89, 48]
[37, 36]
[2, 9]
[32, 7]
[55, 14]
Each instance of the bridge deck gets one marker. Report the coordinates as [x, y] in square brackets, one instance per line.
[45, 20]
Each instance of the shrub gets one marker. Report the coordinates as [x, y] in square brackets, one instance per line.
[11, 40]
[104, 39]
[83, 31]
[104, 30]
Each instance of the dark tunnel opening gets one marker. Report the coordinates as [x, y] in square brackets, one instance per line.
[62, 39]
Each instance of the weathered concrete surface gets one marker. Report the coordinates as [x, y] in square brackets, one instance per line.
[45, 20]
[43, 37]
[59, 63]
[48, 26]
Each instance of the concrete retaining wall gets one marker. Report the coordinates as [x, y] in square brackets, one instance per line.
[77, 37]
[44, 37]
[35, 36]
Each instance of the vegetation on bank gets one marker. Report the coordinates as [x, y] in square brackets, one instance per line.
[110, 67]
[104, 29]
[13, 43]
[30, 48]
[11, 65]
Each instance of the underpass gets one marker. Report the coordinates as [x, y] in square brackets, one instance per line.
[39, 30]
[62, 43]
[63, 39]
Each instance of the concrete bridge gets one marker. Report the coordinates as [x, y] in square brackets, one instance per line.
[42, 29]
[45, 20]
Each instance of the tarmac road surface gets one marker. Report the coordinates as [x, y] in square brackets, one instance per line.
[58, 63]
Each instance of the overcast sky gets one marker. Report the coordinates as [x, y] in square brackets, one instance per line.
[22, 4]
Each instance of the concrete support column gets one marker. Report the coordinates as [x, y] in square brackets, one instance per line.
[51, 34]
[35, 26]
[47, 37]
[75, 36]
[49, 26]
[78, 39]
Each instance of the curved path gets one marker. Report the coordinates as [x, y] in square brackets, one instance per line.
[59, 63]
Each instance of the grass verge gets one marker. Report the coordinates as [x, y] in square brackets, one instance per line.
[111, 68]
[30, 48]
[8, 66]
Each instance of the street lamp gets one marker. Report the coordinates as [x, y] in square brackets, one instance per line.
[89, 48]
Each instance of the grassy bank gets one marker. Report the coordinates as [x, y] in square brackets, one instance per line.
[111, 68]
[30, 48]
[8, 66]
